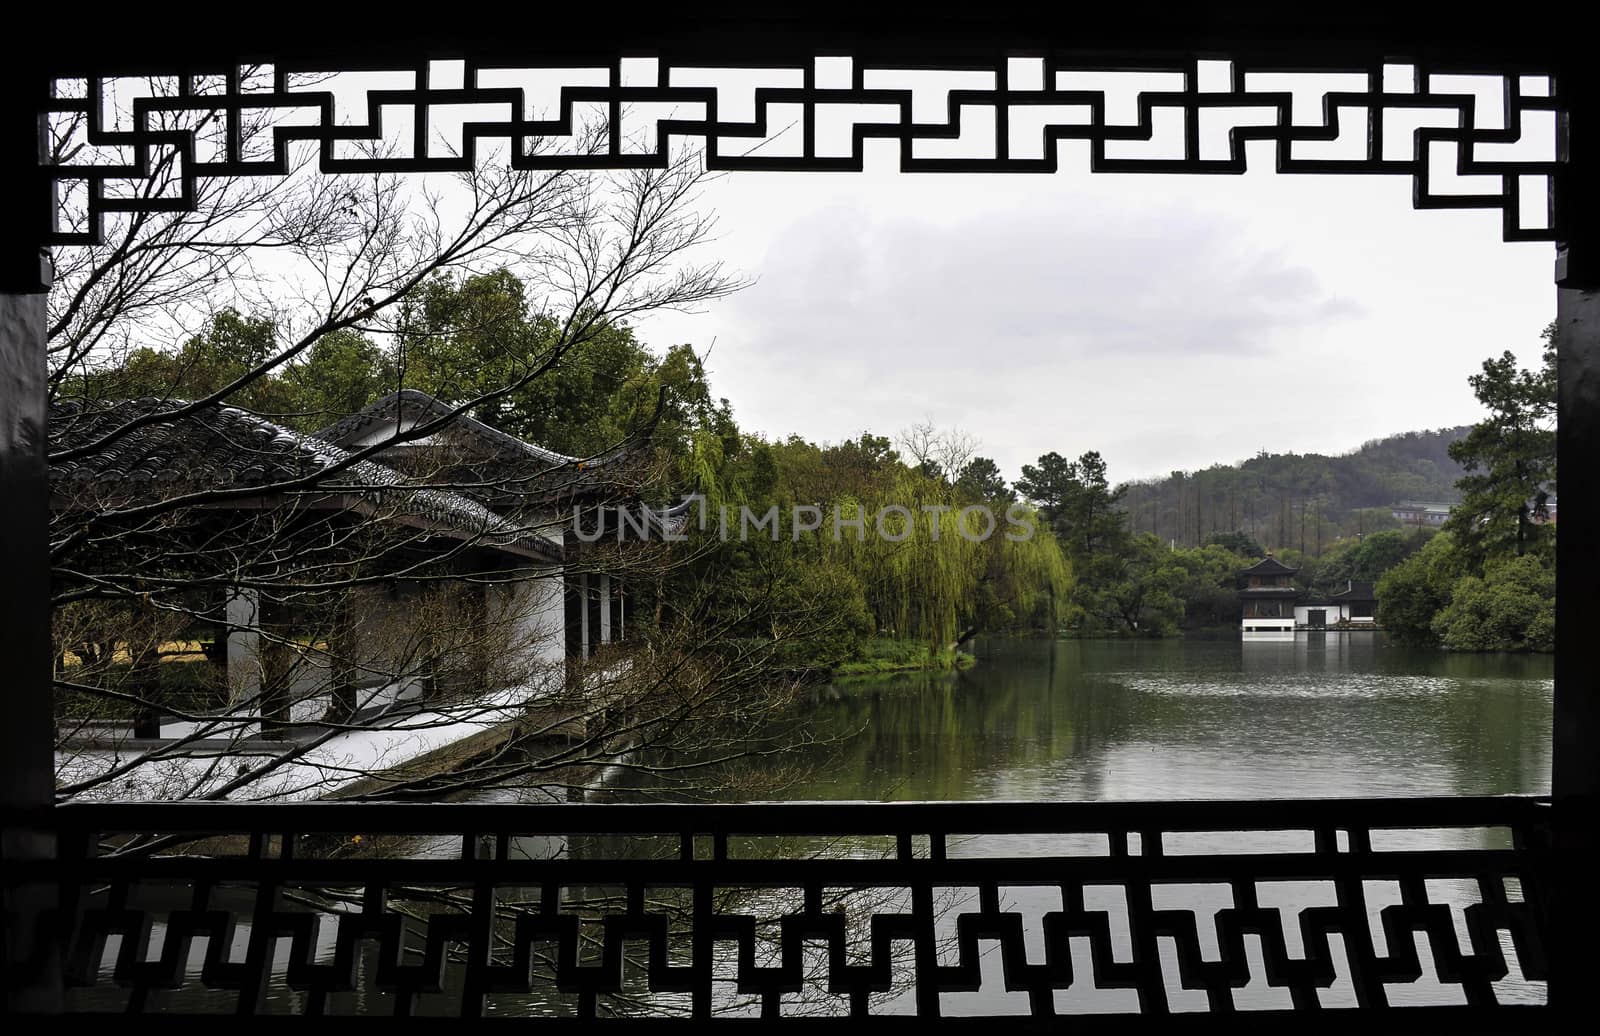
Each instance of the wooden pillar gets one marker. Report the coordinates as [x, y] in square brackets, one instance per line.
[244, 646]
[571, 616]
[583, 597]
[571, 610]
[343, 642]
[276, 666]
[27, 756]
[1575, 750]
[1574, 914]
[27, 759]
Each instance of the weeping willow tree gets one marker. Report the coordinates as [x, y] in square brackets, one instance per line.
[906, 553]
[702, 467]
[937, 570]
[1027, 581]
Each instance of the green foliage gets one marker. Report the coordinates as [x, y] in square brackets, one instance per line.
[1369, 520]
[463, 338]
[1510, 459]
[1510, 608]
[906, 574]
[342, 372]
[1417, 589]
[1077, 500]
[1136, 590]
[231, 346]
[460, 338]
[1238, 543]
[981, 480]
[1099, 557]
[824, 611]
[1301, 501]
[1487, 583]
[1362, 560]
[1050, 484]
[1205, 580]
[929, 576]
[882, 655]
[1125, 583]
[1376, 554]
[1152, 589]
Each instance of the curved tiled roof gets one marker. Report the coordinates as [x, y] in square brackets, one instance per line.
[1354, 590]
[222, 447]
[415, 406]
[1269, 566]
[671, 520]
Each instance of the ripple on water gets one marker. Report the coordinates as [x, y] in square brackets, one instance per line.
[1294, 685]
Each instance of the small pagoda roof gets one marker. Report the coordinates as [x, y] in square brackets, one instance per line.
[1269, 566]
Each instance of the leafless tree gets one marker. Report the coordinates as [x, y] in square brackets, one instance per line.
[361, 580]
[945, 451]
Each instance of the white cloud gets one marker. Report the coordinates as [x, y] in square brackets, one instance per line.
[1167, 321]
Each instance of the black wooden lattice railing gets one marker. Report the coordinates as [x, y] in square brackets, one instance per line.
[791, 910]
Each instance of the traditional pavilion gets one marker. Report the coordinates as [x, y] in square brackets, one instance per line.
[1267, 595]
[237, 507]
[435, 441]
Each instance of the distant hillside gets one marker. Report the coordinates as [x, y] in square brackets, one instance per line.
[1300, 501]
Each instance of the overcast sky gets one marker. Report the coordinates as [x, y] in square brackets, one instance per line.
[1168, 322]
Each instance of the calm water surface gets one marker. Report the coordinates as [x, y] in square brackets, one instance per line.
[1327, 715]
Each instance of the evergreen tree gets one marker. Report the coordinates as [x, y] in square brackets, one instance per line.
[1084, 511]
[1049, 484]
[1510, 459]
[1078, 501]
[981, 480]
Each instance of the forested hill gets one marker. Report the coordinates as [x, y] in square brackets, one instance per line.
[1298, 500]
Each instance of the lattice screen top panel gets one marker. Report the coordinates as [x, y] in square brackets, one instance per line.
[1470, 141]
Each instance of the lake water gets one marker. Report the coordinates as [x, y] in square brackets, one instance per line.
[1325, 715]
[1329, 715]
[1322, 715]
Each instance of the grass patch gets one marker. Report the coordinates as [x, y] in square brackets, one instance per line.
[881, 655]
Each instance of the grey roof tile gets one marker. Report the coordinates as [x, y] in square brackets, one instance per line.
[221, 447]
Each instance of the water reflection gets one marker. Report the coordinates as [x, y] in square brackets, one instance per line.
[1329, 715]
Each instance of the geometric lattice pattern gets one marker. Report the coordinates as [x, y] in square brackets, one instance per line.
[1409, 911]
[1476, 142]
